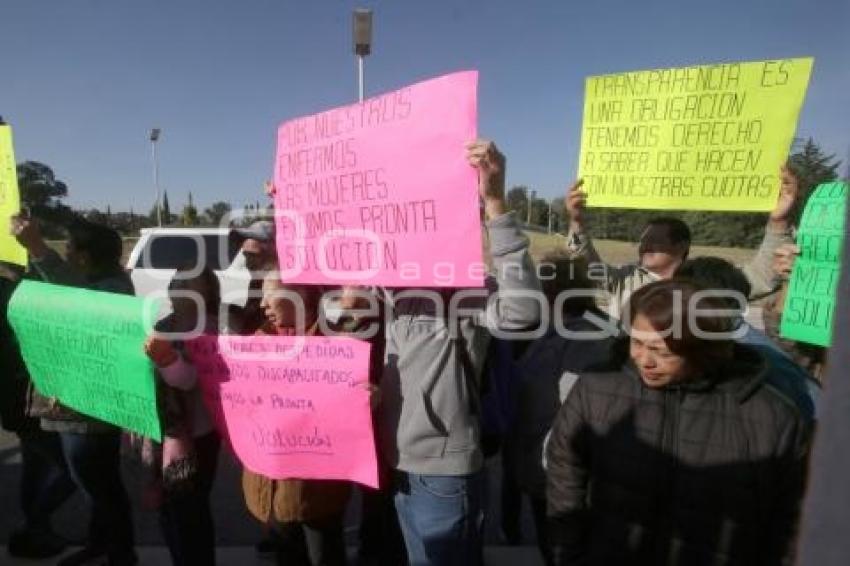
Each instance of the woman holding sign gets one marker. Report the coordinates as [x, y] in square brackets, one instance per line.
[306, 516]
[92, 448]
[185, 463]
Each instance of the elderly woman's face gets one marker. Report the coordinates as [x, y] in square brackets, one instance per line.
[657, 365]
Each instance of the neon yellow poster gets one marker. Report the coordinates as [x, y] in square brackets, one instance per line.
[10, 203]
[710, 137]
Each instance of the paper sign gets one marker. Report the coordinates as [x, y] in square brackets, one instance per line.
[711, 137]
[10, 250]
[85, 348]
[291, 407]
[381, 192]
[810, 304]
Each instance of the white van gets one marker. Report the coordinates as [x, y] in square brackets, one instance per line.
[159, 252]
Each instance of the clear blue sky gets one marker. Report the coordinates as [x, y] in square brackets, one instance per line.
[84, 80]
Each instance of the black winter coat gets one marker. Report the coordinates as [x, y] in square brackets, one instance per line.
[706, 472]
[14, 380]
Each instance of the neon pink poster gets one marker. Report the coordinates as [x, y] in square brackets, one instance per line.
[291, 407]
[380, 192]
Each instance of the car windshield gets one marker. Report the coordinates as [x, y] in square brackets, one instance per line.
[173, 251]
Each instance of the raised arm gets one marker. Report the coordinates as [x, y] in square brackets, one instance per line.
[44, 261]
[174, 369]
[579, 243]
[514, 306]
[777, 233]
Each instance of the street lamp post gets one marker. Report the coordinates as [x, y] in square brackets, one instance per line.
[154, 137]
[362, 34]
[530, 204]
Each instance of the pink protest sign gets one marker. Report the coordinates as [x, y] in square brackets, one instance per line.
[291, 407]
[381, 192]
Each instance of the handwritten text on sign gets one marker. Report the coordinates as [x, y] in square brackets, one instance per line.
[810, 304]
[85, 348]
[292, 407]
[381, 192]
[711, 137]
[10, 250]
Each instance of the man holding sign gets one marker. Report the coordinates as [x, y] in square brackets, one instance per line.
[381, 193]
[800, 316]
[430, 409]
[707, 137]
[665, 243]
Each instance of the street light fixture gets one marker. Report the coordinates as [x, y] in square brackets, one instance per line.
[154, 137]
[362, 35]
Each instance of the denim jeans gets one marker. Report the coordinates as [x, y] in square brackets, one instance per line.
[441, 518]
[45, 482]
[94, 461]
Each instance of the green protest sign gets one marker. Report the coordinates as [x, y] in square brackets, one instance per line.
[810, 304]
[85, 348]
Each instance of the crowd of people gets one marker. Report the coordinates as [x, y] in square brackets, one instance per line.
[633, 443]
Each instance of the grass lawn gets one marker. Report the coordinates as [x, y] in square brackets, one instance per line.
[612, 251]
[617, 253]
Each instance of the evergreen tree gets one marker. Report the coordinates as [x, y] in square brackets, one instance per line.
[216, 212]
[190, 213]
[812, 167]
[166, 209]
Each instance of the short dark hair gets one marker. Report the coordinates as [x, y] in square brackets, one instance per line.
[677, 229]
[207, 280]
[101, 243]
[567, 273]
[715, 273]
[662, 301]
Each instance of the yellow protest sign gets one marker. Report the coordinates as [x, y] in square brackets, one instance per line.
[10, 203]
[709, 137]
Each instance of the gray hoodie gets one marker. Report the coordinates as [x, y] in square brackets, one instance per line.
[429, 422]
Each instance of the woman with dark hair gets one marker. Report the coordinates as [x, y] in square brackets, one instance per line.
[185, 464]
[91, 447]
[684, 455]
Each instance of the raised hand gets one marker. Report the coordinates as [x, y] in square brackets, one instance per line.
[576, 202]
[28, 233]
[789, 191]
[160, 351]
[490, 162]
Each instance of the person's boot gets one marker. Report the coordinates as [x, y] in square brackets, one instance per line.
[86, 556]
[36, 543]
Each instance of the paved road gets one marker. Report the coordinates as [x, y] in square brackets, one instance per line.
[244, 556]
[236, 531]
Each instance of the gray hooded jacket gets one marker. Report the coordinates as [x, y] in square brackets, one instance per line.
[429, 422]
